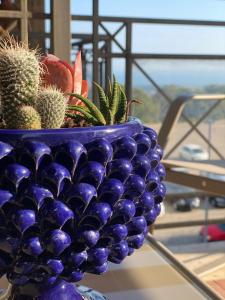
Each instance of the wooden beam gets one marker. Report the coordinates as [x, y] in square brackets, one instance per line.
[211, 186]
[24, 21]
[61, 33]
[129, 65]
[95, 40]
[13, 14]
[189, 223]
[205, 167]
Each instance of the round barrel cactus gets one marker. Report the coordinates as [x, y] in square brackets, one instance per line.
[73, 200]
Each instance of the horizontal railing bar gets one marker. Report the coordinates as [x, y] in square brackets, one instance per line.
[40, 15]
[206, 184]
[209, 97]
[188, 223]
[203, 166]
[137, 20]
[172, 197]
[13, 14]
[166, 56]
[150, 20]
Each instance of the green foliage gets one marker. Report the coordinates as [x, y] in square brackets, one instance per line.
[149, 111]
[51, 105]
[120, 114]
[103, 103]
[112, 107]
[92, 109]
[114, 100]
[155, 106]
[86, 115]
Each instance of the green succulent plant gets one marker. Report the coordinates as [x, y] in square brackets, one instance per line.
[26, 105]
[112, 107]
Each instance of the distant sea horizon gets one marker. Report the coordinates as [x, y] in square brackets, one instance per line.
[196, 78]
[183, 73]
[184, 79]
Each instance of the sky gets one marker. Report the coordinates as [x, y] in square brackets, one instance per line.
[204, 9]
[166, 38]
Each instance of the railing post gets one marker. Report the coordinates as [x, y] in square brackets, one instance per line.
[24, 21]
[95, 37]
[61, 33]
[128, 80]
[108, 63]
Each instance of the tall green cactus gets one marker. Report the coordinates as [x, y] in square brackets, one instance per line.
[51, 105]
[19, 78]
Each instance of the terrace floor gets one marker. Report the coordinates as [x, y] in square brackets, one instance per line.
[207, 260]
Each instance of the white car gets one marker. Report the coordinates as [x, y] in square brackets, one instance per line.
[193, 152]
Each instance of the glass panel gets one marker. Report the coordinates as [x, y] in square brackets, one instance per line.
[118, 69]
[178, 39]
[175, 78]
[81, 7]
[185, 9]
[81, 27]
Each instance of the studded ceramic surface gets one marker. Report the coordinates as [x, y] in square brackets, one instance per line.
[71, 207]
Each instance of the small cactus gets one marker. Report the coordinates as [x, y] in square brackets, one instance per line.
[51, 105]
[19, 78]
[27, 118]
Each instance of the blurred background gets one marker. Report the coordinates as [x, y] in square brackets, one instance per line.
[158, 50]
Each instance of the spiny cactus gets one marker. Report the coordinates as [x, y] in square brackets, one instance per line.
[112, 107]
[51, 105]
[19, 78]
[27, 118]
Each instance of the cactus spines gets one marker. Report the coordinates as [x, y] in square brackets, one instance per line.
[19, 78]
[51, 105]
[27, 118]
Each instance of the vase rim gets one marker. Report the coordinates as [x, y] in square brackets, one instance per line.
[132, 121]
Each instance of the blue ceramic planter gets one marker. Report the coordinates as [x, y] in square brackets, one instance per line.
[72, 200]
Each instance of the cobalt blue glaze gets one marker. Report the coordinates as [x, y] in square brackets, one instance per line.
[32, 246]
[72, 200]
[110, 191]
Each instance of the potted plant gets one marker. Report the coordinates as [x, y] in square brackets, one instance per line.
[79, 184]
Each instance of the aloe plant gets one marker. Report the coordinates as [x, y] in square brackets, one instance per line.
[112, 108]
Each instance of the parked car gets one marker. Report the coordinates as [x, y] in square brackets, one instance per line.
[216, 201]
[182, 205]
[187, 204]
[193, 152]
[163, 210]
[215, 232]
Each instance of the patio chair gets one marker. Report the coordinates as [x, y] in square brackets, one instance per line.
[174, 168]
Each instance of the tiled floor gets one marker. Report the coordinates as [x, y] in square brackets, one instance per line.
[146, 275]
